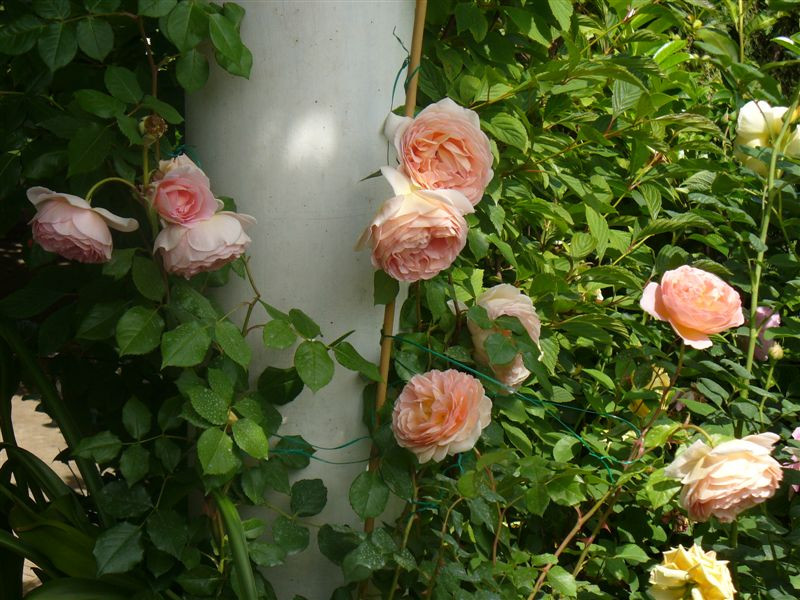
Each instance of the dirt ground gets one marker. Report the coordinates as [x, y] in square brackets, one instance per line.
[38, 434]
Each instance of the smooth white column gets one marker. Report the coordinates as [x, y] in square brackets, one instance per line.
[290, 145]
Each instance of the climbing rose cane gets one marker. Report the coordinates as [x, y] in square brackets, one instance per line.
[443, 148]
[70, 226]
[440, 413]
[695, 303]
[725, 480]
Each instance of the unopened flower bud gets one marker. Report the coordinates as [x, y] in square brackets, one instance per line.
[697, 24]
[775, 352]
[152, 127]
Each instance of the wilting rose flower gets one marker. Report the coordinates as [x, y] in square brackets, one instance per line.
[69, 226]
[766, 318]
[418, 233]
[758, 126]
[695, 303]
[505, 299]
[727, 479]
[440, 413]
[694, 572]
[443, 148]
[182, 193]
[203, 245]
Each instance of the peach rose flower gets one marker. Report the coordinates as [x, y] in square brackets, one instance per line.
[443, 148]
[203, 245]
[70, 226]
[691, 571]
[505, 299]
[417, 233]
[440, 413]
[696, 303]
[727, 479]
[182, 193]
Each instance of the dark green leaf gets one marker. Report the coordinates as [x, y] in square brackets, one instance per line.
[169, 113]
[58, 44]
[368, 495]
[120, 263]
[215, 451]
[168, 531]
[290, 536]
[118, 549]
[89, 148]
[52, 9]
[122, 84]
[20, 35]
[192, 70]
[139, 330]
[101, 6]
[349, 358]
[156, 8]
[280, 386]
[187, 25]
[134, 464]
[278, 334]
[136, 418]
[265, 554]
[232, 342]
[95, 37]
[102, 448]
[250, 437]
[148, 279]
[185, 346]
[385, 288]
[309, 497]
[304, 324]
[313, 364]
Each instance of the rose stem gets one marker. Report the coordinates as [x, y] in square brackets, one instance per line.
[388, 313]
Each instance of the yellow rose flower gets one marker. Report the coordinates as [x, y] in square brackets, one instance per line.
[694, 572]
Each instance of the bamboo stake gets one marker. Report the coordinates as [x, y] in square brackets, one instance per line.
[388, 314]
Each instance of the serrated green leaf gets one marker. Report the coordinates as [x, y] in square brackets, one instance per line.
[139, 330]
[185, 346]
[156, 8]
[308, 497]
[20, 35]
[278, 334]
[508, 129]
[385, 288]
[134, 464]
[186, 25]
[562, 581]
[215, 451]
[250, 437]
[58, 44]
[95, 37]
[368, 495]
[290, 536]
[192, 70]
[168, 531]
[89, 148]
[122, 84]
[232, 342]
[119, 549]
[349, 358]
[136, 418]
[313, 364]
[170, 114]
[304, 324]
[148, 279]
[209, 405]
[102, 448]
[52, 9]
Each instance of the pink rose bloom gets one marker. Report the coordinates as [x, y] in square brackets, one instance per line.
[696, 303]
[765, 319]
[443, 148]
[440, 413]
[505, 299]
[417, 233]
[69, 226]
[203, 245]
[795, 464]
[182, 194]
[727, 479]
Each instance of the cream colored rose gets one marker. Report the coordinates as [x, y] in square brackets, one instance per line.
[440, 413]
[691, 571]
[727, 479]
[505, 299]
[417, 233]
[758, 126]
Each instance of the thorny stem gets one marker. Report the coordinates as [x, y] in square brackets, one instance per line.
[406, 533]
[251, 305]
[432, 582]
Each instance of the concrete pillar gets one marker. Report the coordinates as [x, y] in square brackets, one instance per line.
[290, 145]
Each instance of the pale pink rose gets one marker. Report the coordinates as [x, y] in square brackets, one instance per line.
[795, 464]
[417, 233]
[440, 413]
[69, 226]
[505, 299]
[727, 479]
[203, 245]
[443, 148]
[696, 303]
[766, 318]
[182, 193]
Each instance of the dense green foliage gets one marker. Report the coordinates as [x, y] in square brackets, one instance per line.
[612, 126]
